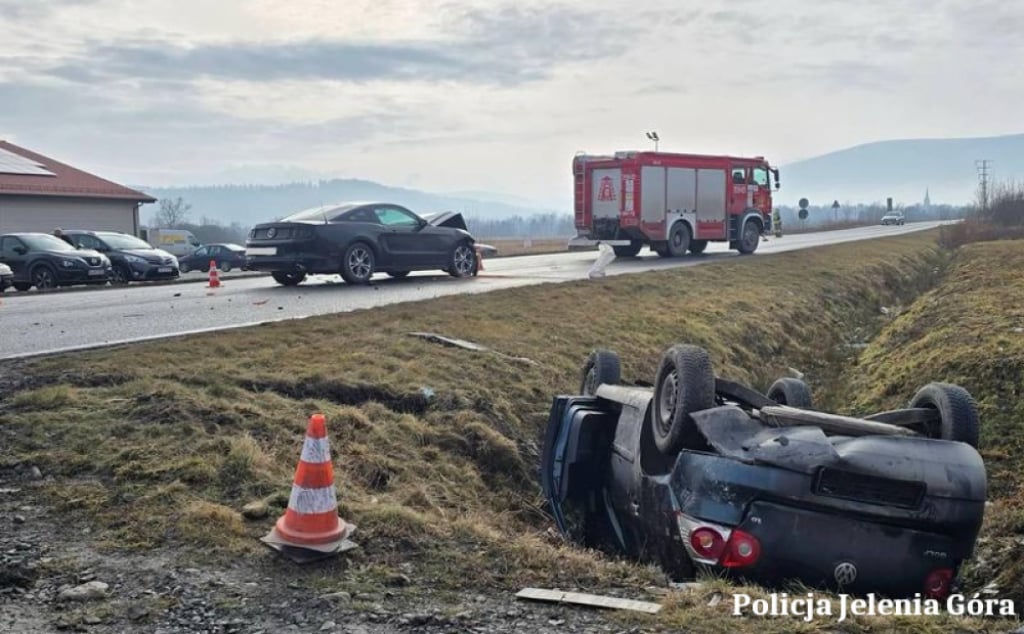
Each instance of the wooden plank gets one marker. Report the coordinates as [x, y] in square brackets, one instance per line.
[784, 416]
[590, 600]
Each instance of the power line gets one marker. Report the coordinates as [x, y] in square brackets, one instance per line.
[983, 174]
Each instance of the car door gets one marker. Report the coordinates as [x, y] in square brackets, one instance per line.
[198, 260]
[399, 235]
[12, 258]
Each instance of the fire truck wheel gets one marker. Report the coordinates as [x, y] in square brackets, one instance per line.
[750, 237]
[685, 383]
[628, 251]
[679, 240]
[697, 246]
[661, 248]
[602, 367]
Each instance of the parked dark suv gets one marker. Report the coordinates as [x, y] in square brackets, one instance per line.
[227, 256]
[45, 261]
[132, 259]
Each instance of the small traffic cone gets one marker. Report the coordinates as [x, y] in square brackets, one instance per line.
[214, 275]
[310, 528]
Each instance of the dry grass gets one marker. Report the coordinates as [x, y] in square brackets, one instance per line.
[161, 444]
[969, 331]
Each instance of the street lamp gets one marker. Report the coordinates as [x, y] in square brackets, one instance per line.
[653, 136]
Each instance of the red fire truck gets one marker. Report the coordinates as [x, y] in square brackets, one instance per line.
[673, 203]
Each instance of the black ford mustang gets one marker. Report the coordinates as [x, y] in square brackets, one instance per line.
[358, 240]
[700, 473]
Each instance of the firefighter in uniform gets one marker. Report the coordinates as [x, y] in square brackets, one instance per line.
[777, 222]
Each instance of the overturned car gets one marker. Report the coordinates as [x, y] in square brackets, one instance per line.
[698, 473]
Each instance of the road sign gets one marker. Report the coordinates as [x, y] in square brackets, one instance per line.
[803, 203]
[835, 205]
[802, 213]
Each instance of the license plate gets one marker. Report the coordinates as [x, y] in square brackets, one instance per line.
[164, 269]
[95, 272]
[261, 251]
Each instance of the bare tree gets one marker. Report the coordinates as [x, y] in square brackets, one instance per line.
[172, 213]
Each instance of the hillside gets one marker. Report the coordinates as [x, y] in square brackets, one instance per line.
[250, 204]
[903, 169]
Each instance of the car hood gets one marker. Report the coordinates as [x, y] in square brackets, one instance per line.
[147, 254]
[77, 253]
[450, 219]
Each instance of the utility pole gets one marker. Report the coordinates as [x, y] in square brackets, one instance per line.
[653, 136]
[983, 174]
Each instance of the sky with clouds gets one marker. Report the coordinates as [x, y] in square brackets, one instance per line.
[491, 94]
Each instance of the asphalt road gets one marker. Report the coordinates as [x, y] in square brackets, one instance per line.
[33, 324]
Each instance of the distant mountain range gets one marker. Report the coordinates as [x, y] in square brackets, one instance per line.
[902, 169]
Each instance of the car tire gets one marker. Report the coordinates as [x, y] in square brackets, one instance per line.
[750, 237]
[462, 261]
[791, 392]
[601, 367]
[698, 246]
[43, 277]
[958, 412]
[224, 267]
[679, 240]
[684, 383]
[288, 278]
[628, 250]
[398, 274]
[22, 287]
[120, 276]
[183, 267]
[357, 265]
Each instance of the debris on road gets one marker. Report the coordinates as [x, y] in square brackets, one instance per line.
[467, 345]
[590, 600]
[91, 591]
[255, 510]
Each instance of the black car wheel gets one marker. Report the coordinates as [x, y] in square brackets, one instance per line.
[225, 267]
[43, 277]
[791, 392]
[119, 276]
[463, 261]
[358, 263]
[958, 412]
[601, 367]
[288, 278]
[685, 383]
[183, 267]
[398, 274]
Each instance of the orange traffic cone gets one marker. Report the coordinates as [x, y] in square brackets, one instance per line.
[214, 275]
[311, 528]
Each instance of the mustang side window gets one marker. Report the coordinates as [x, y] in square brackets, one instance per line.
[394, 217]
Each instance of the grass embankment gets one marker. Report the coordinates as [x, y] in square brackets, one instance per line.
[518, 246]
[970, 331]
[161, 444]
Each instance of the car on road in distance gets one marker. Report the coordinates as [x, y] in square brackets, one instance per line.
[131, 259]
[894, 218]
[228, 256]
[704, 475]
[46, 261]
[6, 277]
[359, 239]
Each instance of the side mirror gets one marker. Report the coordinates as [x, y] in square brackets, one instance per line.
[20, 250]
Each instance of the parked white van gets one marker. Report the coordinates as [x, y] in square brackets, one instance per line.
[177, 242]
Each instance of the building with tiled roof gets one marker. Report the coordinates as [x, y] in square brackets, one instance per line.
[38, 193]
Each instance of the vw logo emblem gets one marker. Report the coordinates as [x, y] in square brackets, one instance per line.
[845, 573]
[271, 232]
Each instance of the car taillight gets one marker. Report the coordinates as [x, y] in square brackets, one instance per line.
[741, 550]
[707, 542]
[937, 584]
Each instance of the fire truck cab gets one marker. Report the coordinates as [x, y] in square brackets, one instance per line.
[673, 203]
